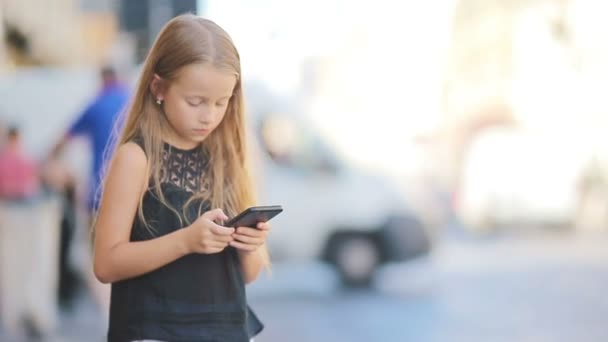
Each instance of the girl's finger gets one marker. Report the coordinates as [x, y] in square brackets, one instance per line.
[215, 214]
[263, 226]
[253, 232]
[215, 245]
[222, 238]
[248, 240]
[243, 246]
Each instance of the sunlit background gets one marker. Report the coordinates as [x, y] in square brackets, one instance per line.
[443, 165]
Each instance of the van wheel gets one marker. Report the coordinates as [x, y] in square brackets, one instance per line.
[355, 256]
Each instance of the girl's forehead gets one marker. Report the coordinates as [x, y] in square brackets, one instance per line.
[205, 79]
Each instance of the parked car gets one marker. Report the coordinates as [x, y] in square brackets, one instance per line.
[334, 212]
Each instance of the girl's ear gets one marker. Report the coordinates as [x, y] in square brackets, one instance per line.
[157, 88]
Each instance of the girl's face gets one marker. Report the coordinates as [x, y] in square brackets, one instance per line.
[195, 103]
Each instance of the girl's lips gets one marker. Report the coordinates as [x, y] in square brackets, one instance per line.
[200, 131]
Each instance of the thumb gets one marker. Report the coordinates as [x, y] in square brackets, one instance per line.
[215, 215]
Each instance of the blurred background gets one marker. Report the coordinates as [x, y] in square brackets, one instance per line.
[442, 164]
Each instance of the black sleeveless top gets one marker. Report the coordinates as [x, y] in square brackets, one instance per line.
[199, 297]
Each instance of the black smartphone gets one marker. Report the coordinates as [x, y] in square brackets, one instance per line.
[250, 217]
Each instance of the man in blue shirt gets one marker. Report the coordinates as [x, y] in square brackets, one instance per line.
[97, 122]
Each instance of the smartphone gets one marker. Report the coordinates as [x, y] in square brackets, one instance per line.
[250, 217]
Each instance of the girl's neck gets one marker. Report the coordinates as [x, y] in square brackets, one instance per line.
[178, 148]
[172, 139]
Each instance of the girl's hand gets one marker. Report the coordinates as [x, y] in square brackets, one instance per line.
[250, 239]
[207, 237]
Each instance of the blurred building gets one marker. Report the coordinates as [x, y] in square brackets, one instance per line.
[57, 32]
[82, 32]
[143, 19]
[508, 64]
[539, 65]
[527, 58]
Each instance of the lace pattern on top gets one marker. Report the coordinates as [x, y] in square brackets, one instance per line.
[184, 168]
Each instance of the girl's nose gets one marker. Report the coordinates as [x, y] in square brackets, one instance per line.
[205, 114]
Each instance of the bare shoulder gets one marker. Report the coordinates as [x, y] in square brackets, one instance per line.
[123, 186]
[129, 161]
[132, 154]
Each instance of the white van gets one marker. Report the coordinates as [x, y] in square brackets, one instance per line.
[332, 211]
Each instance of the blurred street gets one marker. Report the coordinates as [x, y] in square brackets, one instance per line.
[544, 287]
[451, 154]
[537, 286]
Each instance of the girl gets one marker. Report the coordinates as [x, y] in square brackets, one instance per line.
[179, 169]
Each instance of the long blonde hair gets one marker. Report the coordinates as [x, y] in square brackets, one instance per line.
[185, 40]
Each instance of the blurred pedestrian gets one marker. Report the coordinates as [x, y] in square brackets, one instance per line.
[177, 274]
[18, 173]
[29, 235]
[96, 123]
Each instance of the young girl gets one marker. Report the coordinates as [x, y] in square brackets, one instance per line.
[179, 169]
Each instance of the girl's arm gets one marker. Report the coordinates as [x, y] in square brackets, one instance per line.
[116, 257]
[251, 247]
[251, 264]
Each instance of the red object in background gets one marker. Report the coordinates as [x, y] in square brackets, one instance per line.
[18, 174]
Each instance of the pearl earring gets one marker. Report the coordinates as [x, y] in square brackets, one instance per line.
[159, 101]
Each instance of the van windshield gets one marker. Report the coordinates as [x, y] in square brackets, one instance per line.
[298, 145]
